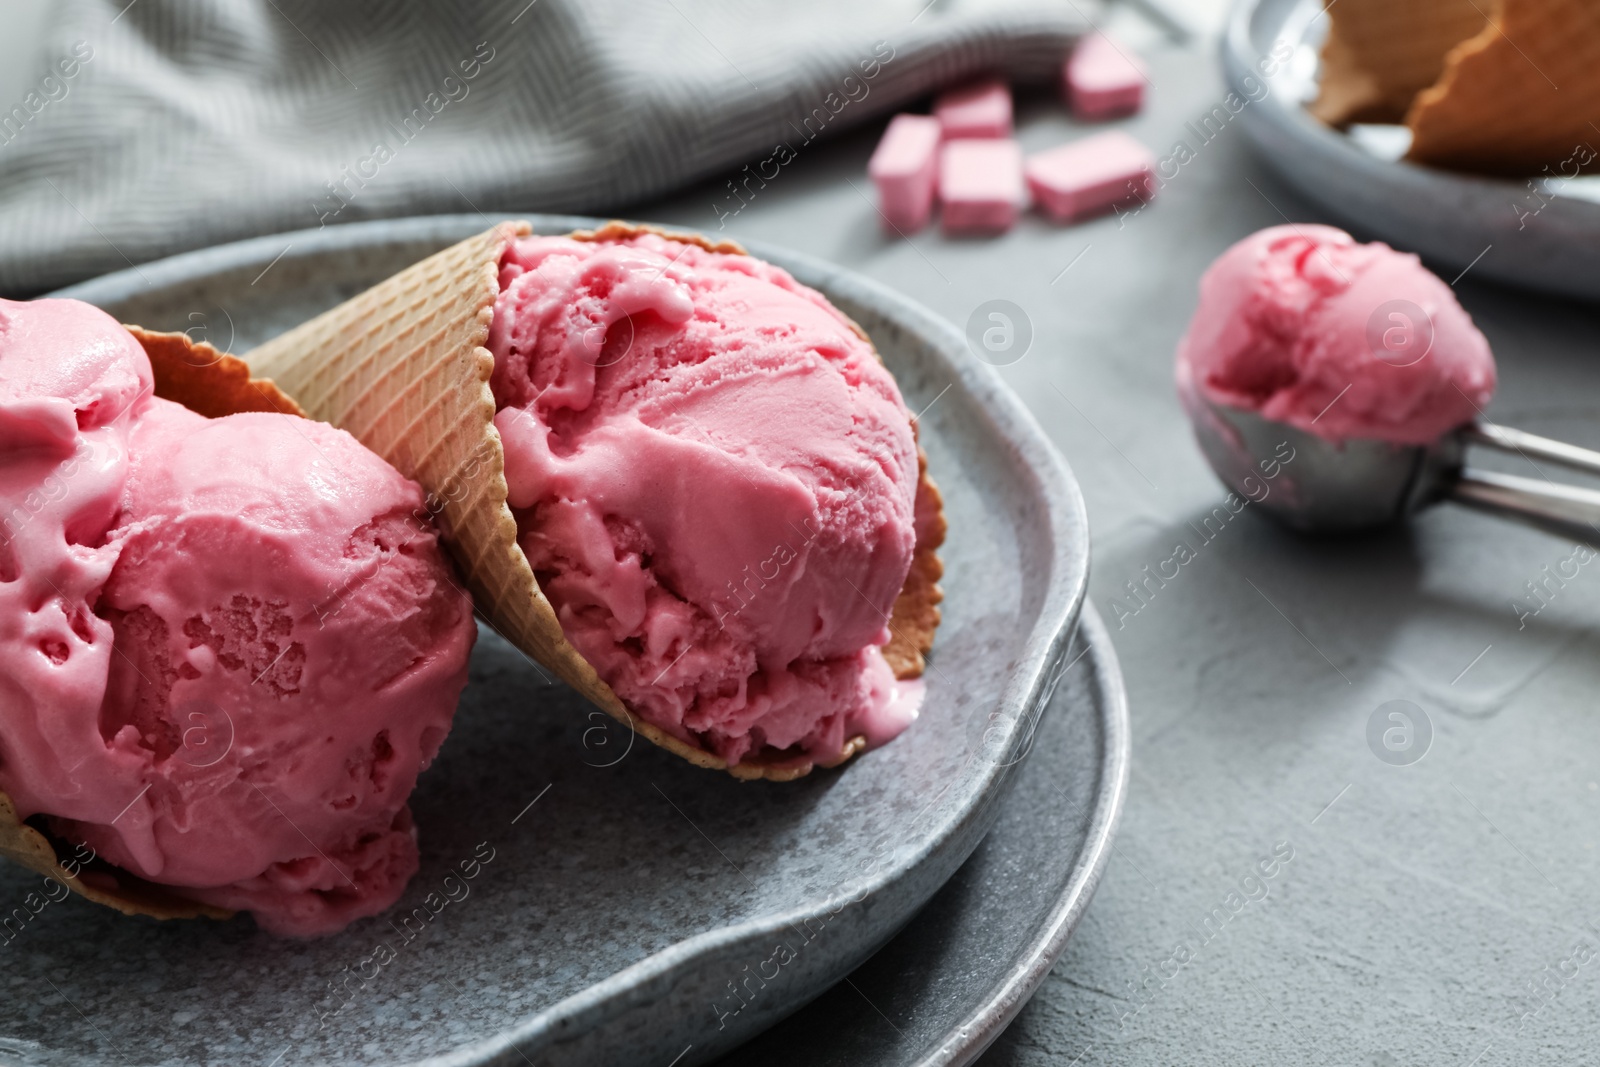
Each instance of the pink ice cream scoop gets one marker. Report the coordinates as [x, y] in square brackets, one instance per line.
[1307, 327]
[229, 645]
[1338, 385]
[713, 478]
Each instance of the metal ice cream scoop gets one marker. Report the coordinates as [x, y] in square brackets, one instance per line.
[1313, 484]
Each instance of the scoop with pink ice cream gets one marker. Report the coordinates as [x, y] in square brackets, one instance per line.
[1305, 326]
[1338, 386]
[716, 483]
[229, 645]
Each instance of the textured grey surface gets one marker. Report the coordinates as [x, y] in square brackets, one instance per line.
[959, 971]
[1418, 908]
[1542, 234]
[644, 908]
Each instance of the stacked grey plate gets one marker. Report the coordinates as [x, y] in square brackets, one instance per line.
[631, 908]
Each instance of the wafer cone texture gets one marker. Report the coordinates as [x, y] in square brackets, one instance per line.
[404, 368]
[1493, 86]
[1521, 96]
[1379, 54]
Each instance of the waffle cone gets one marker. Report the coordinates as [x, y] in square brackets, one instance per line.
[96, 881]
[206, 381]
[212, 384]
[1521, 95]
[404, 368]
[1379, 54]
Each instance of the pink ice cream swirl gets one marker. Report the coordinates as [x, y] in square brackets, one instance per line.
[227, 646]
[1308, 327]
[713, 477]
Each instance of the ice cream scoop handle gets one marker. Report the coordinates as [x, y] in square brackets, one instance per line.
[1565, 509]
[1532, 447]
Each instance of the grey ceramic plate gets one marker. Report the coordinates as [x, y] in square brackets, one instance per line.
[635, 909]
[1543, 235]
[944, 988]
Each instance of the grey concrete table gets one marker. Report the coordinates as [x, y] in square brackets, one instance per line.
[1436, 913]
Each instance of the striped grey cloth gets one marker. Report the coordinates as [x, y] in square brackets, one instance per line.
[158, 126]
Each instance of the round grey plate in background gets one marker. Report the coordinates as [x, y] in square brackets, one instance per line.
[1542, 235]
[626, 907]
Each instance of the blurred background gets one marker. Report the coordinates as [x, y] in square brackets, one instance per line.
[21, 55]
[189, 124]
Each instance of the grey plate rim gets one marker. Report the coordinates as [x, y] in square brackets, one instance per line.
[1552, 243]
[968, 1038]
[1028, 958]
[1030, 684]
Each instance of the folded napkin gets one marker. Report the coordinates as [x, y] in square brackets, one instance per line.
[158, 126]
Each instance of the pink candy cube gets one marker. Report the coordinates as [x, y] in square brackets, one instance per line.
[1091, 176]
[1102, 79]
[905, 168]
[982, 109]
[980, 185]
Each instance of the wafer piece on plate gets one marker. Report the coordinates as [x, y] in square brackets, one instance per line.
[1522, 95]
[1379, 54]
